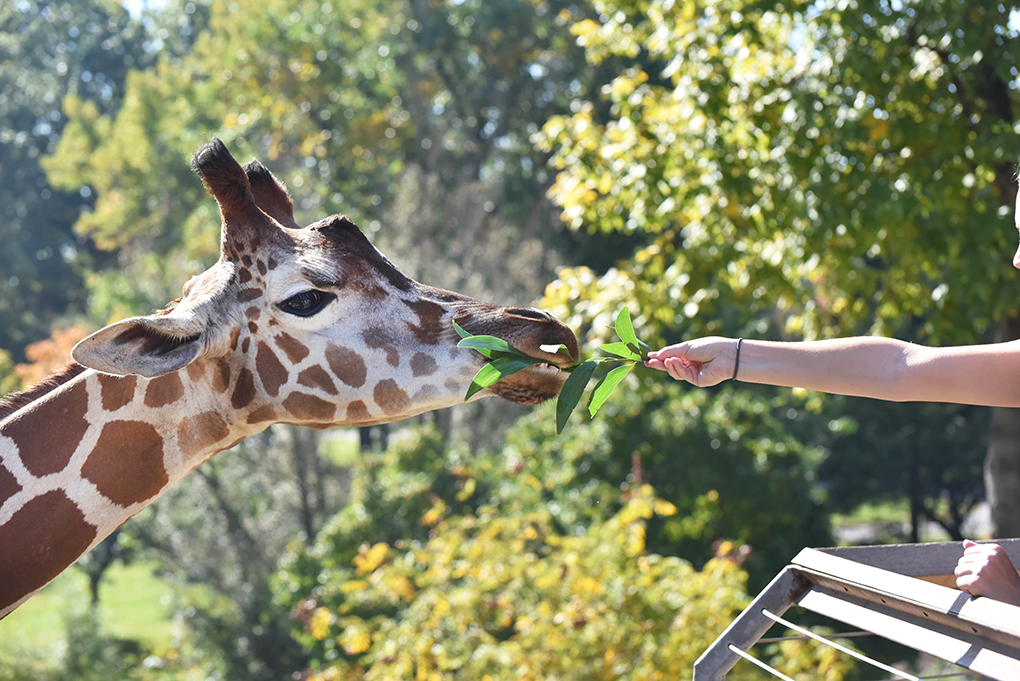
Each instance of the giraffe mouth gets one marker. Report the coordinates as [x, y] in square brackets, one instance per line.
[535, 333]
[531, 386]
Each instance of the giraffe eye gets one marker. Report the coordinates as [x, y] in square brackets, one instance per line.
[306, 303]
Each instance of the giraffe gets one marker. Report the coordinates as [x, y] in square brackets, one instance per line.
[309, 326]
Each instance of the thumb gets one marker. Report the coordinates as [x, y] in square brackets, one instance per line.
[967, 543]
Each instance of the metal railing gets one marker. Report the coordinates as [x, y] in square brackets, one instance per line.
[905, 593]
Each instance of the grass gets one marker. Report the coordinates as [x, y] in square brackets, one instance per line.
[879, 512]
[133, 605]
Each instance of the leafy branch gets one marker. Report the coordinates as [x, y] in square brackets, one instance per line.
[507, 360]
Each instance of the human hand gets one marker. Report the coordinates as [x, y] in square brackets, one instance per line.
[703, 362]
[985, 570]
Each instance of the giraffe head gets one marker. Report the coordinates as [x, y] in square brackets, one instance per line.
[313, 325]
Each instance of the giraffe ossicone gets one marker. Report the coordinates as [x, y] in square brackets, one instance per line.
[309, 326]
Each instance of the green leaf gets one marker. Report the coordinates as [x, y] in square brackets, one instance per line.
[606, 387]
[496, 370]
[571, 393]
[487, 345]
[460, 331]
[621, 350]
[624, 327]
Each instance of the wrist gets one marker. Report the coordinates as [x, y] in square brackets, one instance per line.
[736, 361]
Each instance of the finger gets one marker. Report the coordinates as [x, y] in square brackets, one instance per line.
[678, 350]
[967, 543]
[681, 370]
[675, 368]
[965, 585]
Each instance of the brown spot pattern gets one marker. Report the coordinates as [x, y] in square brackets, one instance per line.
[390, 398]
[423, 365]
[116, 391]
[430, 329]
[47, 450]
[253, 327]
[293, 348]
[316, 377]
[357, 411]
[246, 344]
[40, 540]
[426, 393]
[309, 407]
[164, 390]
[271, 370]
[244, 390]
[346, 365]
[253, 313]
[126, 464]
[272, 263]
[200, 432]
[262, 414]
[8, 485]
[262, 267]
[221, 376]
[196, 370]
[246, 295]
[379, 338]
[244, 276]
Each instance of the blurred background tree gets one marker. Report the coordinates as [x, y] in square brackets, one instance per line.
[47, 53]
[787, 171]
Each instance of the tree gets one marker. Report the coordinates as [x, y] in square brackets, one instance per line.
[806, 171]
[220, 534]
[517, 565]
[46, 53]
[930, 454]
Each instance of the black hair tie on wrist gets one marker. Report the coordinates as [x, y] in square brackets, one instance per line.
[736, 365]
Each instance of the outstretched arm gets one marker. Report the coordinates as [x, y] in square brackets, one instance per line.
[881, 368]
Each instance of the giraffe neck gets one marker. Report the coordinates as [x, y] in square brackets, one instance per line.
[78, 462]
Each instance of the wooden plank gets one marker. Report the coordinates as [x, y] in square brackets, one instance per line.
[971, 652]
[749, 626]
[917, 560]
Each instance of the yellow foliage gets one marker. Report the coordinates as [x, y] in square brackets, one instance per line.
[592, 607]
[353, 585]
[318, 625]
[356, 638]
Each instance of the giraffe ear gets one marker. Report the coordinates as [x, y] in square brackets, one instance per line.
[146, 346]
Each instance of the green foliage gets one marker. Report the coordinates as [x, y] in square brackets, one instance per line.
[506, 360]
[82, 49]
[867, 187]
[512, 597]
[932, 456]
[814, 186]
[523, 563]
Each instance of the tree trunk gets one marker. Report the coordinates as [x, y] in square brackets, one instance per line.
[1002, 466]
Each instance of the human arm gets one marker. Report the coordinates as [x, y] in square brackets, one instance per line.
[880, 368]
[985, 570]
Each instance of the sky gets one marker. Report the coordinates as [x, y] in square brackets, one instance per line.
[135, 7]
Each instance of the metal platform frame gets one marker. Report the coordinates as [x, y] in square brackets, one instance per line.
[905, 593]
